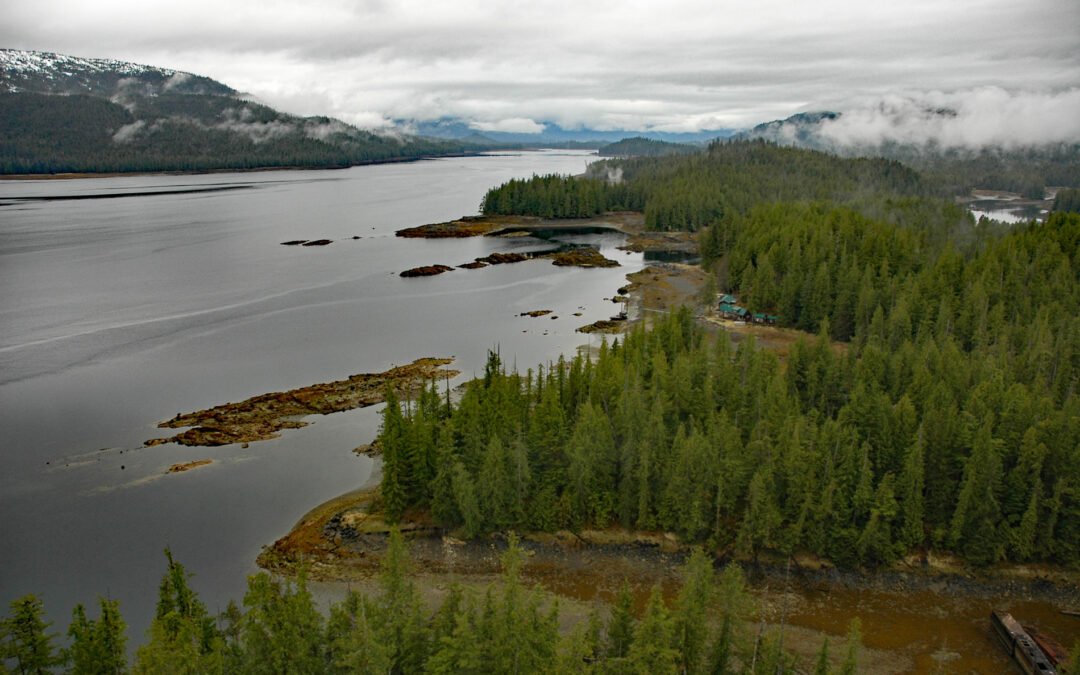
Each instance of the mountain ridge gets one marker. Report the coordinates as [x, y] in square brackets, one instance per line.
[52, 73]
[65, 114]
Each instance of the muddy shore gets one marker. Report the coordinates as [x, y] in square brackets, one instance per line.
[342, 541]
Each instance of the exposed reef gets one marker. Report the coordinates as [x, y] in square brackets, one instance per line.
[188, 466]
[504, 258]
[470, 226]
[585, 256]
[604, 326]
[426, 271]
[578, 256]
[520, 226]
[262, 417]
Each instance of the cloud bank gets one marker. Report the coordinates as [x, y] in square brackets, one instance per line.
[682, 65]
[962, 119]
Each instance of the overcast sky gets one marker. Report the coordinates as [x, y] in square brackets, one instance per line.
[668, 65]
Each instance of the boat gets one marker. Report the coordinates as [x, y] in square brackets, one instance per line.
[1020, 645]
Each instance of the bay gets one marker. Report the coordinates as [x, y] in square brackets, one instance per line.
[126, 300]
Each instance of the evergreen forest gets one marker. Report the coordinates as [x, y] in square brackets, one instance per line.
[935, 410]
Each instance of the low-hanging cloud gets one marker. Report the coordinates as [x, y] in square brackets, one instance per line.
[320, 131]
[175, 80]
[243, 122]
[973, 118]
[514, 125]
[234, 121]
[129, 132]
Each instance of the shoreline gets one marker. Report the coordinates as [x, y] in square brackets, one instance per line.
[342, 540]
[79, 175]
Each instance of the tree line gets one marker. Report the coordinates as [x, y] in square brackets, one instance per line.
[731, 177]
[640, 146]
[690, 192]
[1067, 200]
[503, 628]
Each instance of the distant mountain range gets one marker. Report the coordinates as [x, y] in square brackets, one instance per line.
[66, 114]
[552, 135]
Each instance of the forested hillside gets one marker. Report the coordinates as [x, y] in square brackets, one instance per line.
[645, 147]
[688, 193]
[41, 133]
[693, 191]
[949, 423]
[61, 114]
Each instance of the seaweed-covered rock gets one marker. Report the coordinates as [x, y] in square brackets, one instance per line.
[426, 271]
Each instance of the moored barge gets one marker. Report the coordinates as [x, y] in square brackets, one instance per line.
[1020, 645]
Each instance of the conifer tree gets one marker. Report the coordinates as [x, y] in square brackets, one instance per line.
[281, 632]
[974, 529]
[400, 622]
[183, 637]
[910, 492]
[394, 485]
[97, 646]
[620, 629]
[353, 644]
[26, 640]
[691, 608]
[467, 504]
[444, 506]
[652, 652]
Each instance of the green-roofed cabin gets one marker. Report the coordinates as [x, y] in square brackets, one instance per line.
[733, 312]
[761, 317]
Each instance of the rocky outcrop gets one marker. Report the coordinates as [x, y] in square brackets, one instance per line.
[426, 271]
[586, 256]
[455, 229]
[504, 258]
[188, 466]
[263, 417]
[604, 326]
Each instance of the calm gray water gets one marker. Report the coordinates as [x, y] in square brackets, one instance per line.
[118, 313]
